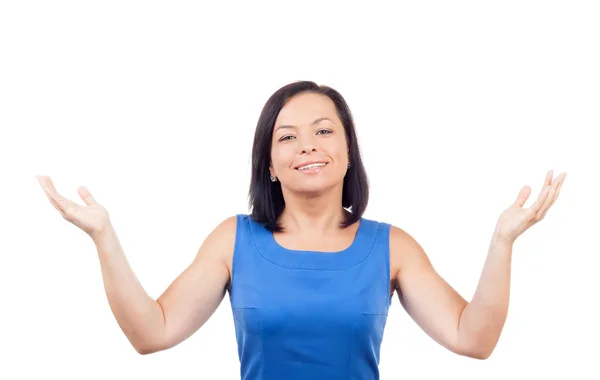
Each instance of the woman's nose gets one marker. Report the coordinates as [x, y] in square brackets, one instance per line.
[308, 147]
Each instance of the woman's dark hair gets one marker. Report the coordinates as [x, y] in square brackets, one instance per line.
[265, 197]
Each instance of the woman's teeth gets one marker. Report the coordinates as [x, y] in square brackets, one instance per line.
[311, 166]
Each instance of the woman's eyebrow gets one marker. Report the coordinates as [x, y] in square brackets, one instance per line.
[313, 123]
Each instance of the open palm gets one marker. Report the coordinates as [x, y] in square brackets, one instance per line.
[91, 218]
[516, 219]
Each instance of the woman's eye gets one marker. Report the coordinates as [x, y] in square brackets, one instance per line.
[319, 132]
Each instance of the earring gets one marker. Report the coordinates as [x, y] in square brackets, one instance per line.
[273, 179]
[348, 165]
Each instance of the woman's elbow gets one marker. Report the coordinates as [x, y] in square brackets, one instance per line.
[480, 352]
[147, 347]
[144, 350]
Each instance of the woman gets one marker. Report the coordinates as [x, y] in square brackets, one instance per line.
[310, 280]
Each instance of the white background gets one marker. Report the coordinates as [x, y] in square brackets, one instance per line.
[152, 106]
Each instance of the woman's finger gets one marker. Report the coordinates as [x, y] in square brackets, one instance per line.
[564, 176]
[548, 202]
[56, 206]
[535, 208]
[53, 191]
[58, 201]
[523, 196]
[559, 181]
[46, 186]
[85, 194]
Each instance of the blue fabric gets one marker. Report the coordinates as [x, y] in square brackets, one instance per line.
[309, 315]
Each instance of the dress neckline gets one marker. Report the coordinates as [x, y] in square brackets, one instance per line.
[358, 251]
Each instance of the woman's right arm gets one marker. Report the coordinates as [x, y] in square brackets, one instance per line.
[152, 325]
[156, 325]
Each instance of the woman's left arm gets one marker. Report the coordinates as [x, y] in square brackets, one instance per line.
[467, 328]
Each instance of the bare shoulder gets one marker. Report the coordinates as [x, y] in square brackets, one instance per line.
[217, 248]
[221, 240]
[405, 252]
[225, 229]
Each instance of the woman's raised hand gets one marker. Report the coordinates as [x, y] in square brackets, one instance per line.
[516, 219]
[92, 218]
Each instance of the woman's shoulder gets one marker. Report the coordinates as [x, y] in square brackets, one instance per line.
[383, 223]
[398, 235]
[221, 240]
[377, 224]
[227, 226]
[400, 239]
[226, 230]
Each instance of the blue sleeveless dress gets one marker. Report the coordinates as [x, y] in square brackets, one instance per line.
[309, 315]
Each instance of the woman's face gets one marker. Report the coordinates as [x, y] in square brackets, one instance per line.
[309, 131]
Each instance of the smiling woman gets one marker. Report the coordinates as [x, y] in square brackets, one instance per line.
[309, 278]
[303, 123]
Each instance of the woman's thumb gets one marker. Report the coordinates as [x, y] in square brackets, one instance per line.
[85, 194]
[523, 196]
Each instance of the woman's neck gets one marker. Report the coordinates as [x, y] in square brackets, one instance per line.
[312, 217]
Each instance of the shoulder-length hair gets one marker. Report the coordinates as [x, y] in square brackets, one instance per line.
[265, 197]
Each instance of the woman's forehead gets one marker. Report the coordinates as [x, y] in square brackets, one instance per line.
[306, 109]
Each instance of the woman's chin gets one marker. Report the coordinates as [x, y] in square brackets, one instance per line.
[312, 188]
